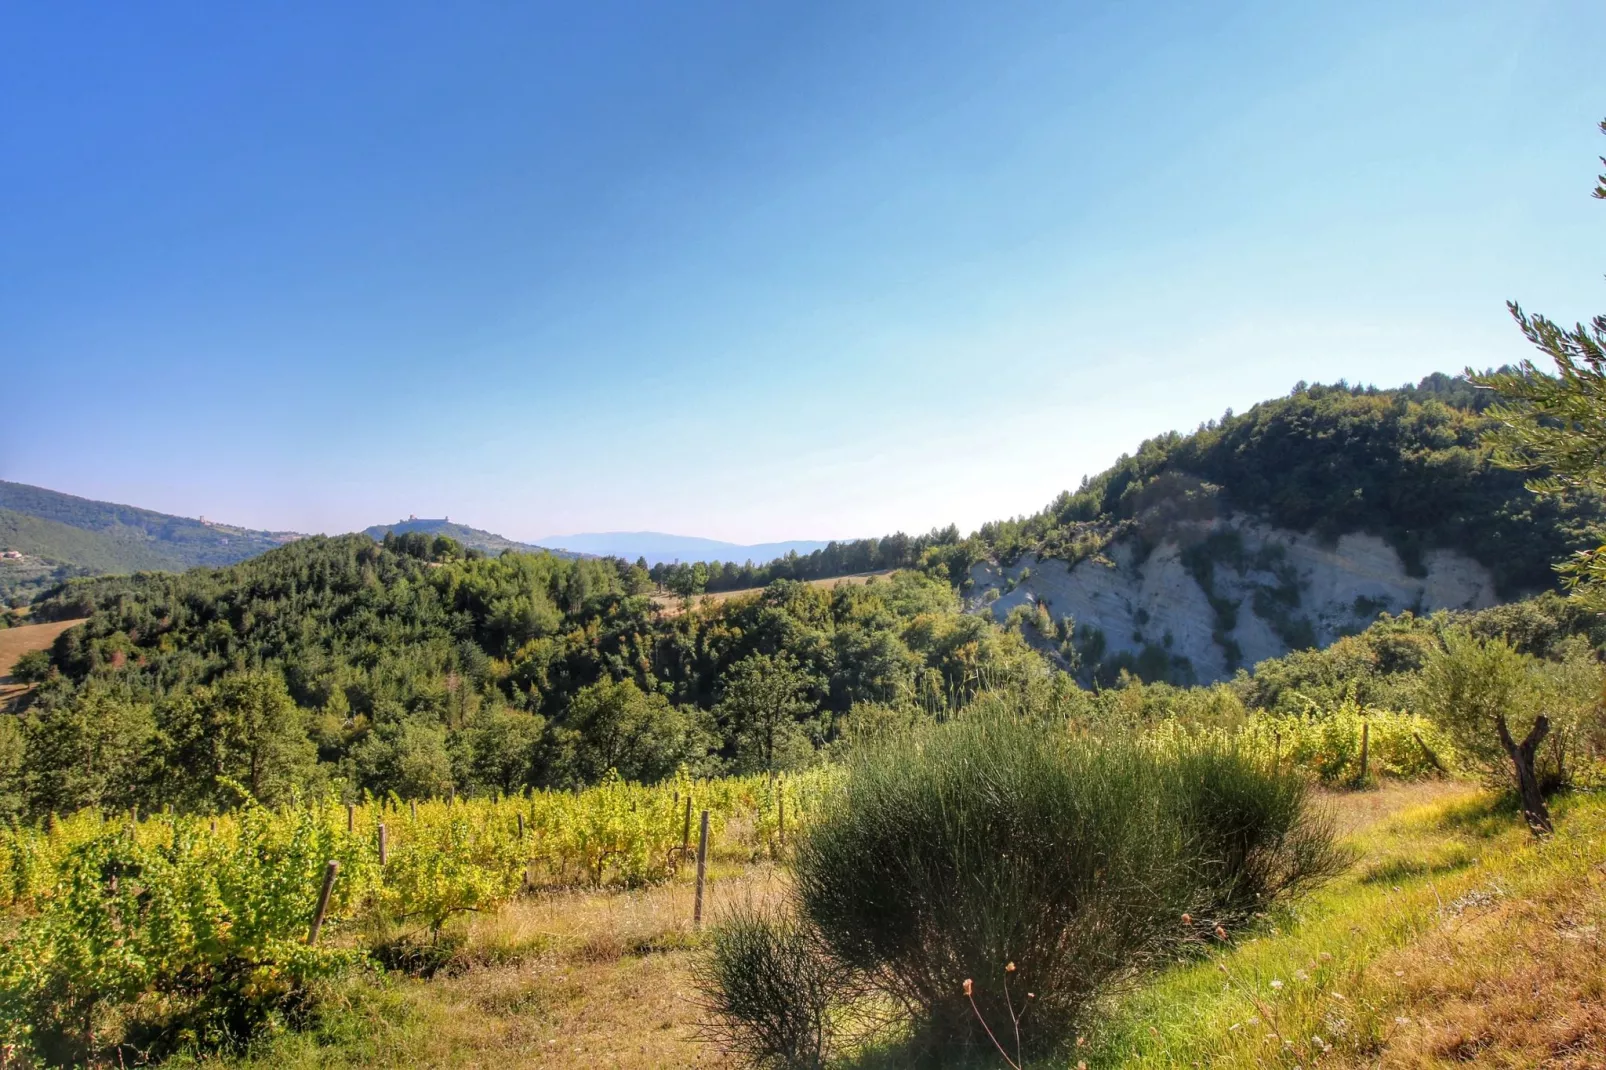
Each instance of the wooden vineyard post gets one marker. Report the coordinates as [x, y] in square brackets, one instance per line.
[1366, 733]
[413, 805]
[780, 818]
[702, 871]
[685, 831]
[521, 828]
[214, 826]
[384, 845]
[1427, 752]
[329, 872]
[351, 818]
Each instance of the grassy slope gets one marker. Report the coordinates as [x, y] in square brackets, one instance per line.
[64, 544]
[1456, 938]
[1453, 939]
[15, 642]
[671, 603]
[106, 537]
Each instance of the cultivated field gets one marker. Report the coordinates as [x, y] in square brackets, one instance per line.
[15, 642]
[1453, 939]
[671, 603]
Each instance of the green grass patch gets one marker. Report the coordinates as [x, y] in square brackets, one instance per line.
[1306, 985]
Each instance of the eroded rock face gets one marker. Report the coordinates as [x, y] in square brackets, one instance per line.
[1219, 593]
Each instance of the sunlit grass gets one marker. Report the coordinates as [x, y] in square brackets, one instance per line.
[1453, 901]
[1454, 939]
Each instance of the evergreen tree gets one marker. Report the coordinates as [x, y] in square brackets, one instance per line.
[1556, 424]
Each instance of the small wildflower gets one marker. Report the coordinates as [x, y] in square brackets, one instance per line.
[1402, 1021]
[1031, 995]
[1276, 984]
[1399, 973]
[1081, 1064]
[1221, 934]
[1326, 956]
[1301, 975]
[1081, 1042]
[1187, 919]
[967, 986]
[1009, 968]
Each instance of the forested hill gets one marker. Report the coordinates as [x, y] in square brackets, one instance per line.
[1404, 464]
[470, 538]
[62, 535]
[414, 665]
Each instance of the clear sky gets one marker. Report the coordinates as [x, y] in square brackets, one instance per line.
[750, 271]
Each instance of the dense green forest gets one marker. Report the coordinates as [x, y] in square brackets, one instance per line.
[1406, 464]
[419, 667]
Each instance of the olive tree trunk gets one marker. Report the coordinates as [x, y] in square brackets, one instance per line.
[1522, 759]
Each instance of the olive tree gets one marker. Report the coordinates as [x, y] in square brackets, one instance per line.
[1484, 694]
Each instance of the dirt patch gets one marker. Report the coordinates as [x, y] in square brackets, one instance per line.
[15, 642]
[670, 604]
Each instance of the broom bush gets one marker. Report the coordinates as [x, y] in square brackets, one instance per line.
[1002, 869]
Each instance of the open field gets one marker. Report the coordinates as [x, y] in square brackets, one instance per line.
[671, 603]
[15, 642]
[1454, 939]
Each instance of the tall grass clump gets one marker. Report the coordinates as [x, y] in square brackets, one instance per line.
[999, 869]
[1252, 834]
[771, 991]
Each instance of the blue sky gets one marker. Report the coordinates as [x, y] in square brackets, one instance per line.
[750, 271]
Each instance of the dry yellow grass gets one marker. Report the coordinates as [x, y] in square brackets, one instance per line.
[1516, 982]
[558, 980]
[1456, 939]
[670, 604]
[15, 642]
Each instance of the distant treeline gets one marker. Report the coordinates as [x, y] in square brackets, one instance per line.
[934, 550]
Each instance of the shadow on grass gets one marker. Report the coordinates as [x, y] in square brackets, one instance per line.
[1483, 817]
[1394, 870]
[909, 1057]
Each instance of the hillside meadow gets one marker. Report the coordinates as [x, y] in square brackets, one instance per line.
[1452, 939]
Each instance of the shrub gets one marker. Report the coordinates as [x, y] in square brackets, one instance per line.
[770, 989]
[956, 849]
[32, 667]
[1254, 834]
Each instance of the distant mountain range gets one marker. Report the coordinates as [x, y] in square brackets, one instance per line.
[473, 538]
[61, 535]
[47, 537]
[658, 547]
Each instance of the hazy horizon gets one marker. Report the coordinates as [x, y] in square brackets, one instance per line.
[751, 275]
